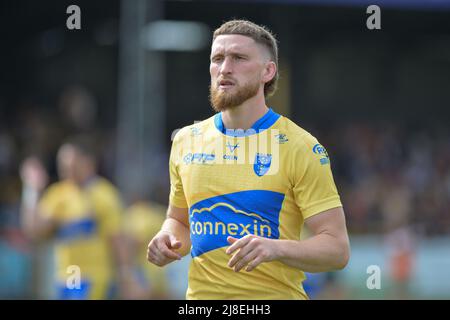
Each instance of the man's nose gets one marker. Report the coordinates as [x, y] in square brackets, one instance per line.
[226, 66]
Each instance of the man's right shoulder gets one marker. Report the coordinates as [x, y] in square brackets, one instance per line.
[193, 130]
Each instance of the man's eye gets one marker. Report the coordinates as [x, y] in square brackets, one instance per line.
[216, 59]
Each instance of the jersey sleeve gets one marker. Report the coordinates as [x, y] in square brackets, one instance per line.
[314, 187]
[177, 197]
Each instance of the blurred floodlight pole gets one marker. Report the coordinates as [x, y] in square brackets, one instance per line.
[140, 100]
[144, 39]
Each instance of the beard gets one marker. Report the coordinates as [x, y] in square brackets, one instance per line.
[222, 100]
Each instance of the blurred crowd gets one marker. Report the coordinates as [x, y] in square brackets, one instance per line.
[390, 177]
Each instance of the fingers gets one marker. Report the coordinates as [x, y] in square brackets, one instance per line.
[157, 258]
[244, 254]
[151, 255]
[239, 255]
[241, 263]
[252, 251]
[154, 258]
[159, 252]
[174, 243]
[232, 240]
[162, 248]
[253, 264]
[237, 243]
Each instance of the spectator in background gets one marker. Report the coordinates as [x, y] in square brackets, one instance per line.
[82, 213]
[402, 250]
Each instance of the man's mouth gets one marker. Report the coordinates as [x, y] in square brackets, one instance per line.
[225, 84]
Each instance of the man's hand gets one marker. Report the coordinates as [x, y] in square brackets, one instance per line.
[33, 174]
[161, 249]
[34, 179]
[252, 251]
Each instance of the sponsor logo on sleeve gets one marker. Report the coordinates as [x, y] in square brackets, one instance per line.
[322, 152]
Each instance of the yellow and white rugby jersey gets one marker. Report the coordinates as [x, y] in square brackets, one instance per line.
[264, 181]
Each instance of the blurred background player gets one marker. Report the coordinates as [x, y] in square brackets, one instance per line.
[142, 221]
[81, 213]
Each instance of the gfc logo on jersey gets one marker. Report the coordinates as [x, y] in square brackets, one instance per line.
[262, 164]
[213, 220]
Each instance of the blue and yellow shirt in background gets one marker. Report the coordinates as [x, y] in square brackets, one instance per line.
[264, 181]
[86, 219]
[142, 221]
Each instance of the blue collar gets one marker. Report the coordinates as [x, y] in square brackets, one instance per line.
[265, 122]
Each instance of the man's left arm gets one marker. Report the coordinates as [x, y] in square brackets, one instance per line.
[328, 249]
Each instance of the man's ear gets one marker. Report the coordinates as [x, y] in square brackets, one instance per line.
[269, 72]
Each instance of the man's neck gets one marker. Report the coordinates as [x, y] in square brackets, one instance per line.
[245, 115]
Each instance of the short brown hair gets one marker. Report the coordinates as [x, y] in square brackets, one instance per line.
[261, 35]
